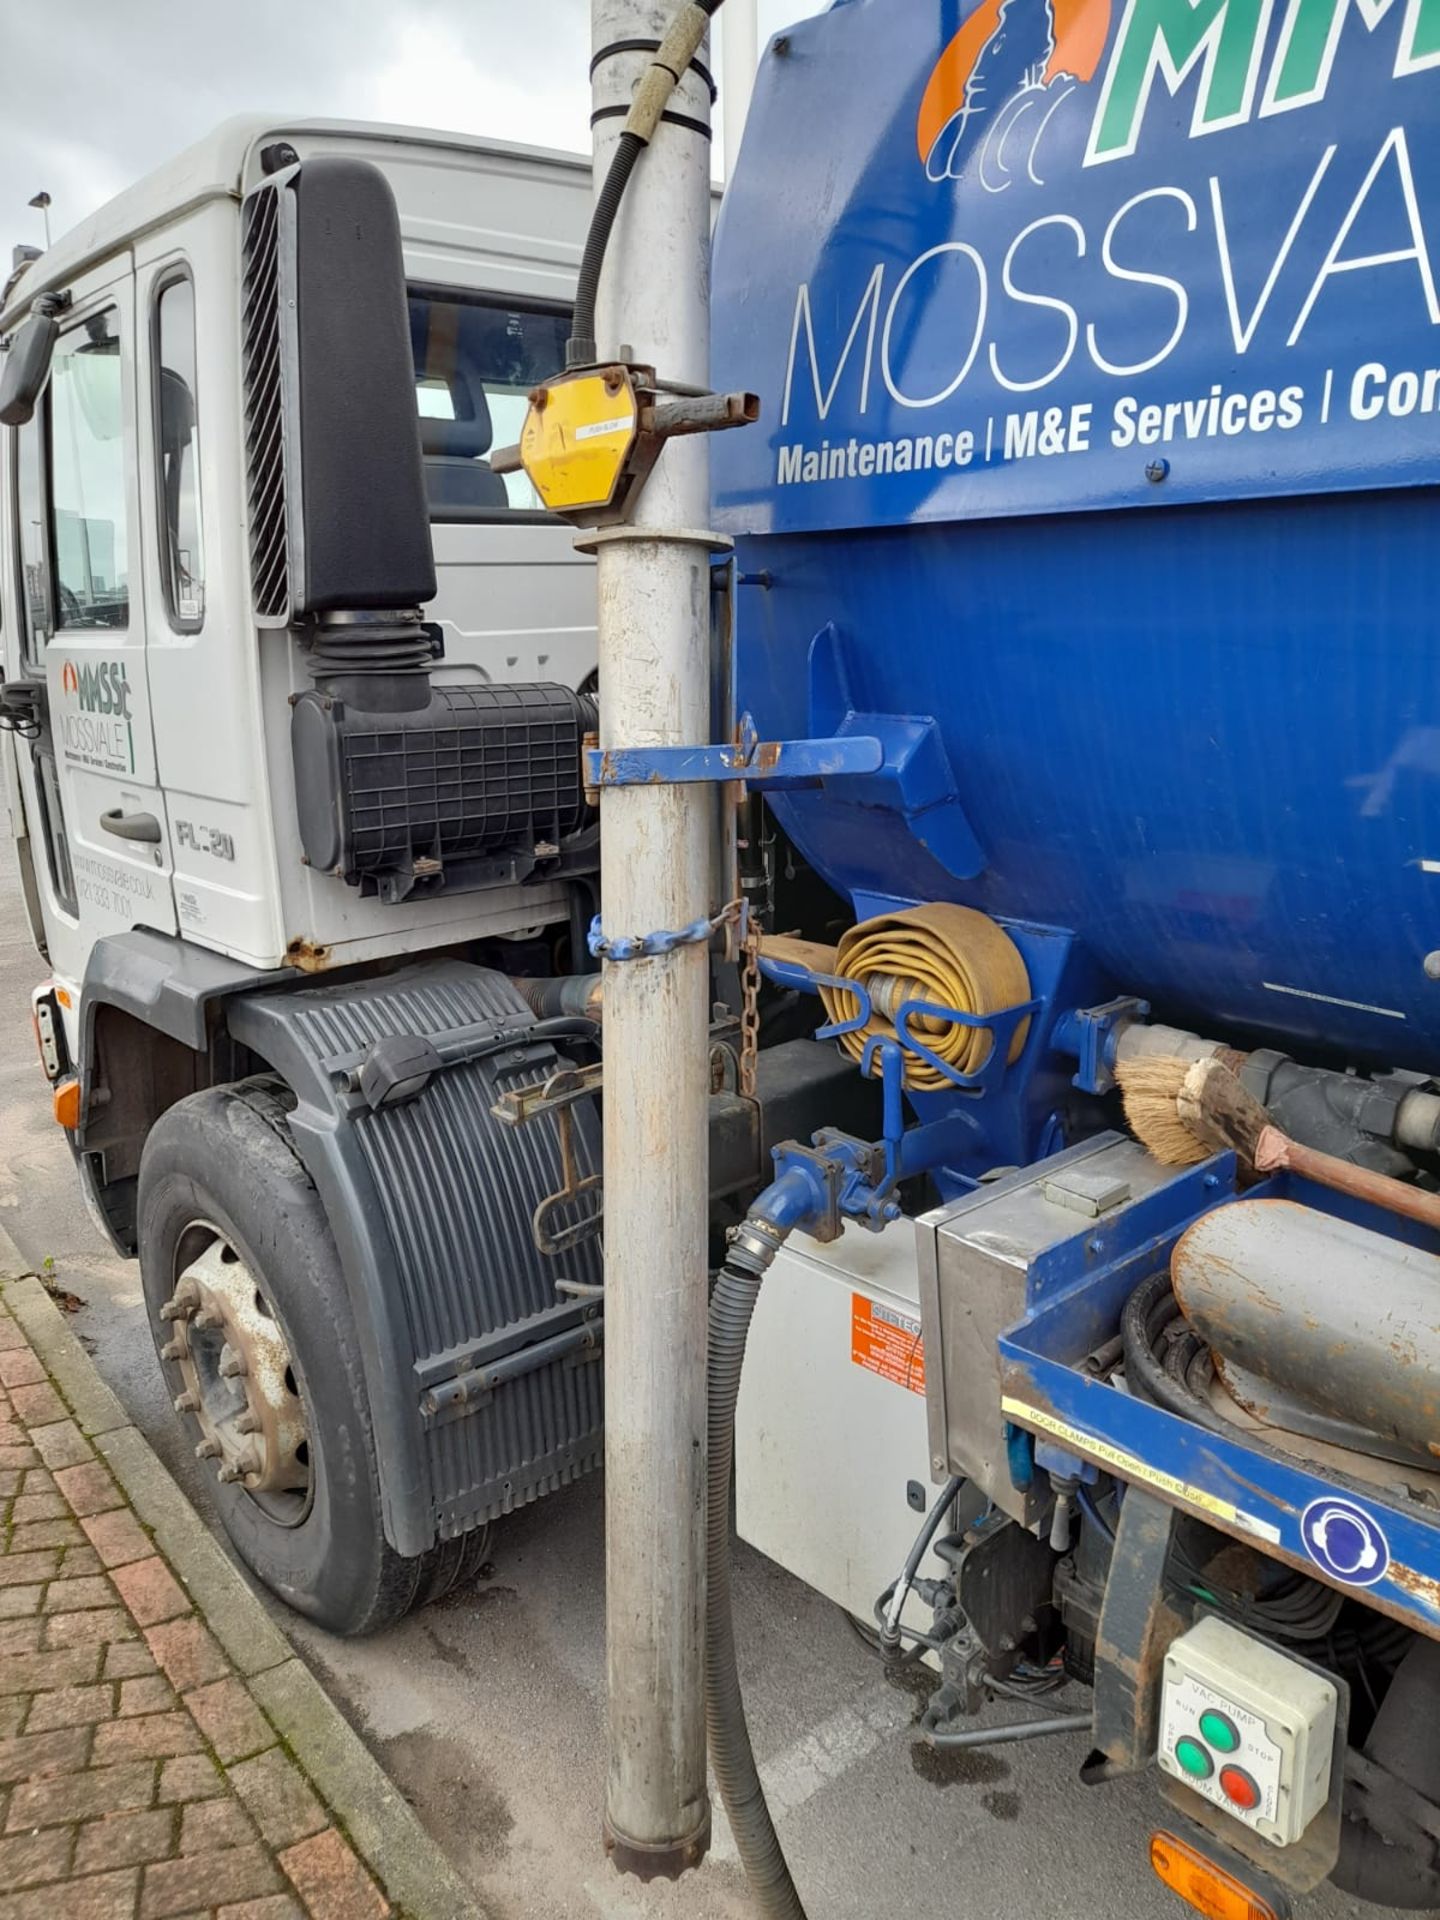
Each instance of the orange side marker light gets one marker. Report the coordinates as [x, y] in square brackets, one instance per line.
[67, 1104]
[1209, 1889]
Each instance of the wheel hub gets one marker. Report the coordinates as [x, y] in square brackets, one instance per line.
[240, 1383]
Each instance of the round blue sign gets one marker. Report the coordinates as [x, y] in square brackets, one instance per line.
[1345, 1542]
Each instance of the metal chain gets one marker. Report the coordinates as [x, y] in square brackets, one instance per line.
[644, 946]
[749, 1005]
[736, 913]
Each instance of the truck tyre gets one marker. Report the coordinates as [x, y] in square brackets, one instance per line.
[251, 1317]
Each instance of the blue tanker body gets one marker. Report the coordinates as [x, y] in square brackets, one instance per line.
[1097, 363]
[1088, 585]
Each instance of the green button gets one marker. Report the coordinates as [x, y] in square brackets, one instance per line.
[1194, 1759]
[1221, 1732]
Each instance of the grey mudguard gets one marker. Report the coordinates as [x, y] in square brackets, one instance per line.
[167, 983]
[430, 1202]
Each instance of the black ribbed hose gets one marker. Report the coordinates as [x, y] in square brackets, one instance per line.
[1152, 1308]
[581, 349]
[731, 1306]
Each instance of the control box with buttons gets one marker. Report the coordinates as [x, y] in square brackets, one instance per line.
[1249, 1729]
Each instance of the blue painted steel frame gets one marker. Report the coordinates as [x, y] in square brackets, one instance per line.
[1075, 1297]
[773, 763]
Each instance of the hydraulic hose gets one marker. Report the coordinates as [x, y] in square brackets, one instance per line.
[1092, 1513]
[1149, 1310]
[1016, 1730]
[581, 348]
[672, 57]
[732, 1305]
[1303, 1610]
[893, 1600]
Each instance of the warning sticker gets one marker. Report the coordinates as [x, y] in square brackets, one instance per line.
[886, 1342]
[1129, 1467]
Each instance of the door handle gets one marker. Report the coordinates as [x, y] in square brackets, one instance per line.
[131, 826]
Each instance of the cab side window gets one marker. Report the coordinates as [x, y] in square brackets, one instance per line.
[34, 548]
[476, 363]
[87, 478]
[177, 444]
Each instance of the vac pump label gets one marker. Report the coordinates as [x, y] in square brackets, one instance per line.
[1084, 253]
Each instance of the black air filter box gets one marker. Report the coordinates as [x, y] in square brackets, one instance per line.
[481, 787]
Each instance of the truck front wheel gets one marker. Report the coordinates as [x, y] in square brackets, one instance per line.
[252, 1321]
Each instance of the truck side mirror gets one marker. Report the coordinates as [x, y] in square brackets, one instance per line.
[339, 520]
[26, 369]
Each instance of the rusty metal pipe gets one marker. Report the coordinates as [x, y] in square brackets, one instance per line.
[1342, 1319]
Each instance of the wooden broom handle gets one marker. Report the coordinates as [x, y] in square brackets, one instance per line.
[1275, 1151]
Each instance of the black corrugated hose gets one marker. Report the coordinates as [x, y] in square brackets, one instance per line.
[1167, 1363]
[1150, 1310]
[644, 116]
[731, 1306]
[581, 348]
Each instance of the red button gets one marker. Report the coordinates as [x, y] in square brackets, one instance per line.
[1237, 1785]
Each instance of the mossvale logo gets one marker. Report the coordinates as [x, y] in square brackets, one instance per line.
[1013, 65]
[99, 688]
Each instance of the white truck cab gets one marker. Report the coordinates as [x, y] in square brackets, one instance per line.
[156, 789]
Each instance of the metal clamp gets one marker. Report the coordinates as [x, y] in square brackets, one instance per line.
[641, 946]
[763, 763]
[557, 1095]
[592, 435]
[1091, 1033]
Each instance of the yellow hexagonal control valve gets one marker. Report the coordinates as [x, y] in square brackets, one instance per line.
[578, 437]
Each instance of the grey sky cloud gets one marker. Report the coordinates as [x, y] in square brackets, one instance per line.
[96, 93]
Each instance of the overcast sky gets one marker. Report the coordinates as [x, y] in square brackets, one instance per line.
[95, 93]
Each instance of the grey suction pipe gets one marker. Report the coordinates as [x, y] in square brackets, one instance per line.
[651, 237]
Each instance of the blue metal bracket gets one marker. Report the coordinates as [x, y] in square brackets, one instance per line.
[1091, 1033]
[1056, 1459]
[889, 760]
[848, 1179]
[842, 1178]
[916, 778]
[762, 763]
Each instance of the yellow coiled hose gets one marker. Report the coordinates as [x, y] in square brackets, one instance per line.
[949, 956]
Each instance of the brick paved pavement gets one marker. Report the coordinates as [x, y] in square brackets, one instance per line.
[139, 1776]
